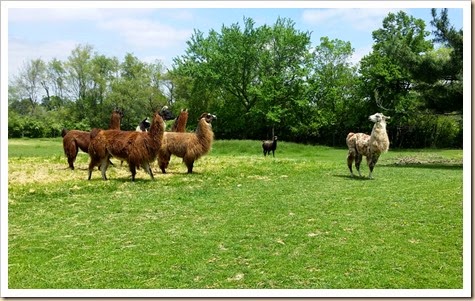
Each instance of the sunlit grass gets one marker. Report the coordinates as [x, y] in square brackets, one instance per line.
[241, 221]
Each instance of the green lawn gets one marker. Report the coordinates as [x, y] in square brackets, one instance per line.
[241, 221]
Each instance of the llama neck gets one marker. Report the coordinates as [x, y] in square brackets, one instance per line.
[379, 137]
[379, 127]
[114, 123]
[204, 132]
[180, 122]
[157, 128]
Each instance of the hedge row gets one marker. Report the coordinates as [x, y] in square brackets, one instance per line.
[429, 131]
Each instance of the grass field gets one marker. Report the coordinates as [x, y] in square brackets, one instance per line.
[241, 221]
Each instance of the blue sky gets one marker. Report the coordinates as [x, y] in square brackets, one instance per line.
[158, 30]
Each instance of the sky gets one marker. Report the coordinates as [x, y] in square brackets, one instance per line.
[154, 30]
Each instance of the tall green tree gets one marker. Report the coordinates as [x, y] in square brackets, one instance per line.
[444, 92]
[137, 90]
[332, 83]
[255, 75]
[30, 82]
[80, 82]
[388, 70]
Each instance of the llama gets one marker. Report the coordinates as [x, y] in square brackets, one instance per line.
[180, 122]
[189, 146]
[74, 140]
[137, 148]
[165, 113]
[269, 145]
[143, 126]
[371, 147]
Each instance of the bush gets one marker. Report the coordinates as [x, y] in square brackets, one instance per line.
[424, 130]
[448, 130]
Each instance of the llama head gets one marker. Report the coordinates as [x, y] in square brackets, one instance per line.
[378, 117]
[275, 138]
[208, 117]
[144, 124]
[119, 112]
[166, 113]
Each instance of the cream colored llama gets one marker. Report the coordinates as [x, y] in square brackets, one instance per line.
[371, 147]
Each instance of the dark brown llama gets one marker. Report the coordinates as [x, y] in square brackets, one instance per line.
[137, 148]
[75, 140]
[269, 146]
[189, 146]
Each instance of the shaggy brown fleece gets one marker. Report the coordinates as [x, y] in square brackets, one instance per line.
[189, 146]
[360, 144]
[75, 140]
[137, 148]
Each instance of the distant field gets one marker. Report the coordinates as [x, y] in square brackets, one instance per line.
[241, 221]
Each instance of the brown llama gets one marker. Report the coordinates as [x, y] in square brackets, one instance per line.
[180, 122]
[75, 140]
[137, 148]
[189, 146]
[361, 144]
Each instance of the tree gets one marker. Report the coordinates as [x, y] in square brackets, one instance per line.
[78, 68]
[57, 77]
[29, 81]
[137, 90]
[446, 93]
[397, 53]
[332, 82]
[252, 76]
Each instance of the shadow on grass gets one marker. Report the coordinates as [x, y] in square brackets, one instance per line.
[426, 165]
[356, 178]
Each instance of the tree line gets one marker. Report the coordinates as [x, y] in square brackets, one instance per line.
[262, 80]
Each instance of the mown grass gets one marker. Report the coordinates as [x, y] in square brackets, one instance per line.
[241, 221]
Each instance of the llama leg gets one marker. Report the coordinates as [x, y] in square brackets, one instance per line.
[71, 151]
[189, 164]
[103, 167]
[371, 163]
[163, 160]
[349, 160]
[71, 163]
[72, 158]
[146, 167]
[273, 154]
[92, 164]
[132, 170]
[358, 159]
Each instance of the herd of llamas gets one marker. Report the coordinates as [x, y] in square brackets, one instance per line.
[152, 142]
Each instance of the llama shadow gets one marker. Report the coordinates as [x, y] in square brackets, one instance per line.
[426, 165]
[125, 180]
[357, 178]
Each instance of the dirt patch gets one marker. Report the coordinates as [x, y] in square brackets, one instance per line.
[426, 161]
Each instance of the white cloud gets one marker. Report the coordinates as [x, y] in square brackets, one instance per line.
[20, 52]
[362, 19]
[144, 34]
[72, 14]
[359, 54]
[52, 15]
